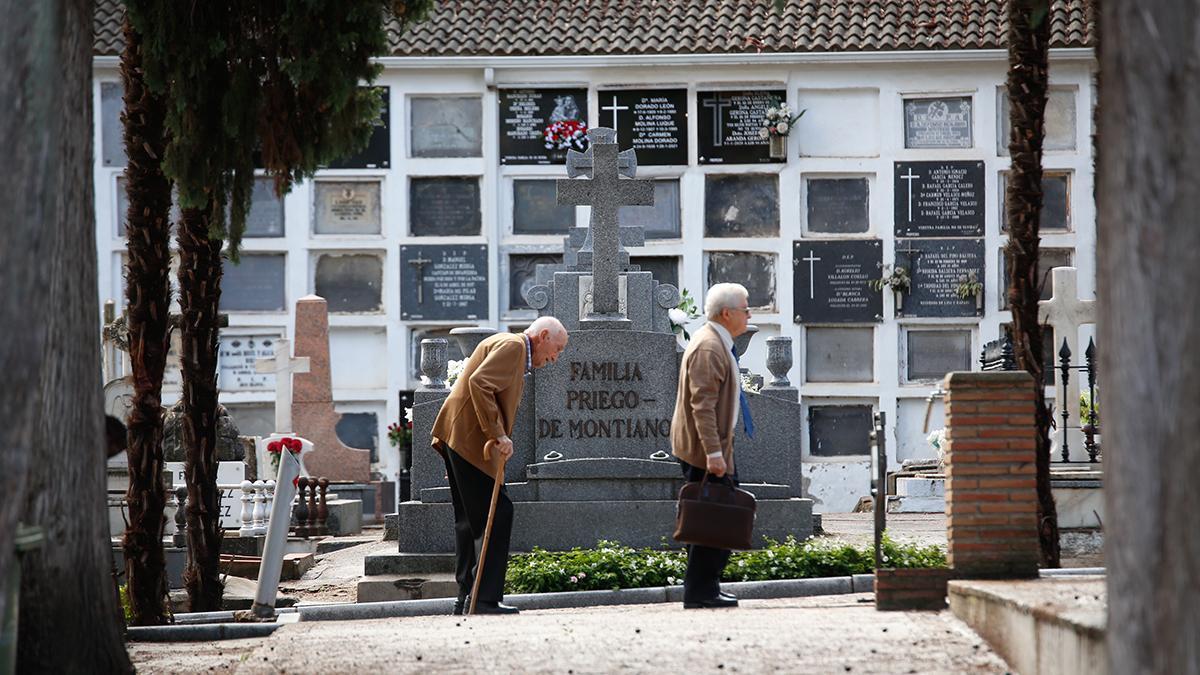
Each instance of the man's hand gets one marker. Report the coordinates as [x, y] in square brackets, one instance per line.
[716, 466]
[504, 446]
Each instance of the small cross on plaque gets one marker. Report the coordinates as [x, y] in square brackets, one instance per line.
[419, 263]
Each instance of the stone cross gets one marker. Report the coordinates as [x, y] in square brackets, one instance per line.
[1065, 313]
[283, 365]
[605, 192]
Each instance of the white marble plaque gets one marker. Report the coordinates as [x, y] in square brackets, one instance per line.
[236, 357]
[350, 207]
[228, 473]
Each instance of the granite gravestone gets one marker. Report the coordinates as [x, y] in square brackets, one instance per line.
[939, 199]
[730, 121]
[538, 126]
[831, 281]
[378, 153]
[937, 267]
[443, 282]
[938, 122]
[653, 122]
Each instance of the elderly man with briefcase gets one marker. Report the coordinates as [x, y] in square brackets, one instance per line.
[714, 515]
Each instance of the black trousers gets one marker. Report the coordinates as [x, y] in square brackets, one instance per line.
[471, 492]
[705, 564]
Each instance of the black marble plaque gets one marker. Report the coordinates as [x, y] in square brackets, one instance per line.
[536, 209]
[378, 153]
[839, 430]
[1056, 202]
[755, 271]
[830, 281]
[359, 430]
[664, 268]
[728, 132]
[528, 134]
[939, 199]
[350, 282]
[741, 205]
[938, 122]
[936, 268]
[255, 284]
[651, 121]
[444, 206]
[443, 282]
[838, 205]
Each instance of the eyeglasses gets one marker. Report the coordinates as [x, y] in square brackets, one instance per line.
[744, 310]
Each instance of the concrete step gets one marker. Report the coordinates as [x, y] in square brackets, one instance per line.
[392, 587]
[917, 505]
[408, 564]
[1039, 626]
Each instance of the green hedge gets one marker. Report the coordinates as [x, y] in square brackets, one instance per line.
[611, 566]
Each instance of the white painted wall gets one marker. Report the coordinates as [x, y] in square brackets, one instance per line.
[853, 127]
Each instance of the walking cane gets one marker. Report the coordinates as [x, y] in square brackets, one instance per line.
[487, 530]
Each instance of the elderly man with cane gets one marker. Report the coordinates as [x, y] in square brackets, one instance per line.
[707, 407]
[472, 435]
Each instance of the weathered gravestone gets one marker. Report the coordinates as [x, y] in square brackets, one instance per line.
[592, 437]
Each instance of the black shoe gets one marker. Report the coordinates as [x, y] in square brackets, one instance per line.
[459, 606]
[495, 608]
[728, 596]
[710, 603]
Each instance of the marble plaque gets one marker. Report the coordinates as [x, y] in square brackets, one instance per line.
[933, 353]
[228, 474]
[1056, 202]
[528, 119]
[446, 126]
[444, 206]
[443, 282]
[350, 282]
[664, 268]
[1060, 122]
[236, 358]
[660, 221]
[741, 205]
[652, 122]
[838, 205]
[831, 281]
[1048, 259]
[839, 430]
[936, 268]
[265, 218]
[521, 270]
[256, 284]
[350, 207]
[378, 153]
[729, 124]
[943, 122]
[839, 354]
[755, 271]
[939, 199]
[112, 140]
[536, 209]
[359, 430]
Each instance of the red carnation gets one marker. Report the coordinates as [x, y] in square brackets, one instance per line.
[295, 445]
[274, 446]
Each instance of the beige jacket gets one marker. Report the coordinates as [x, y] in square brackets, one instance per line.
[706, 401]
[482, 405]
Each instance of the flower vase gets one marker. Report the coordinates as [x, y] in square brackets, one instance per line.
[899, 302]
[979, 301]
[778, 146]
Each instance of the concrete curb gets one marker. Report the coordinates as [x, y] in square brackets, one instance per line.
[200, 633]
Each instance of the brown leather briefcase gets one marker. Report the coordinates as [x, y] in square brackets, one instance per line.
[715, 514]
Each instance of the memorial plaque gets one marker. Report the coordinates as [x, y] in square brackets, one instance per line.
[446, 126]
[538, 126]
[359, 430]
[378, 153]
[228, 473]
[839, 430]
[660, 221]
[255, 284]
[933, 353]
[112, 139]
[938, 122]
[1060, 120]
[1048, 259]
[350, 207]
[939, 199]
[839, 355]
[665, 268]
[536, 209]
[1056, 201]
[444, 206]
[236, 357]
[741, 205]
[350, 282]
[838, 205]
[651, 121]
[730, 121]
[443, 282]
[265, 218]
[830, 281]
[936, 268]
[521, 270]
[755, 271]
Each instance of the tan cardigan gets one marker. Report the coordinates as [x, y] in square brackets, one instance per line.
[482, 405]
[705, 402]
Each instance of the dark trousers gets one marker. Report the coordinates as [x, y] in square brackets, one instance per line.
[705, 564]
[471, 492]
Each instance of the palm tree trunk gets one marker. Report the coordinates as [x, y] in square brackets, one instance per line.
[199, 300]
[147, 294]
[1028, 39]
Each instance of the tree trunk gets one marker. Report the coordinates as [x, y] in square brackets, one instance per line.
[1148, 198]
[1028, 39]
[199, 300]
[52, 439]
[148, 296]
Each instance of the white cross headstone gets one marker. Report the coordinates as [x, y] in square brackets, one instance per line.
[812, 259]
[1065, 313]
[283, 365]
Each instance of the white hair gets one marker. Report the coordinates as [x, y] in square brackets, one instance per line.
[724, 296]
[548, 323]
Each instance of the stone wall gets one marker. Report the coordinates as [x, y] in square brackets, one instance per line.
[991, 484]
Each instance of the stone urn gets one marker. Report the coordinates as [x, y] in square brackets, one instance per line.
[469, 337]
[433, 361]
[741, 342]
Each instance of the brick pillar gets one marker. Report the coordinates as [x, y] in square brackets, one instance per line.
[991, 483]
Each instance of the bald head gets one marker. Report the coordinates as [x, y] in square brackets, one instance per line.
[547, 338]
